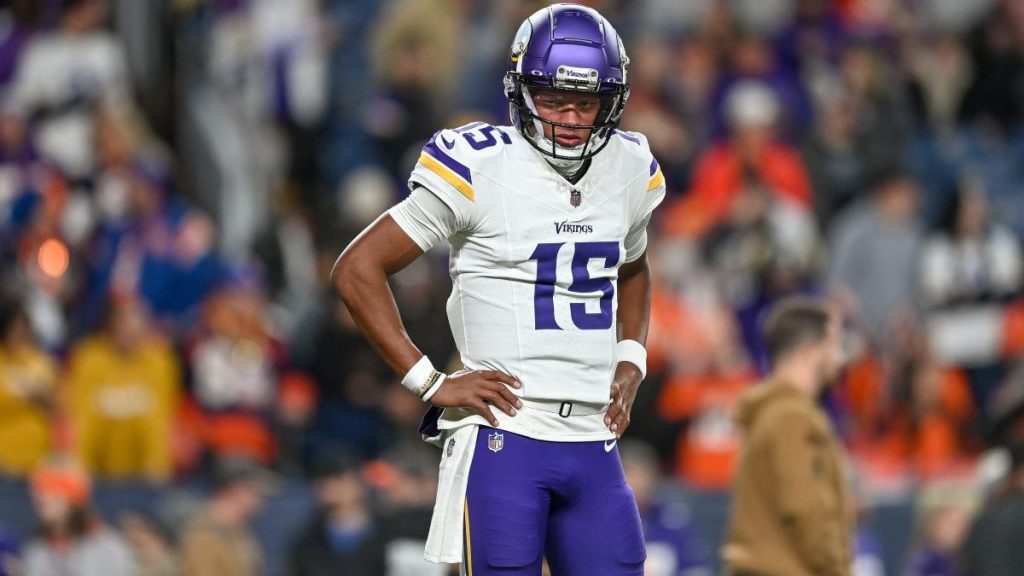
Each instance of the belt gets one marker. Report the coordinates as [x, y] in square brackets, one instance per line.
[565, 409]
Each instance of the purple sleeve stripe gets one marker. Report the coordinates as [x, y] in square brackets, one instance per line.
[654, 166]
[435, 152]
[469, 127]
[629, 137]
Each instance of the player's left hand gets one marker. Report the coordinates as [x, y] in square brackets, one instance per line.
[624, 386]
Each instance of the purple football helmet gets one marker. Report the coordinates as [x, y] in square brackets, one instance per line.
[567, 47]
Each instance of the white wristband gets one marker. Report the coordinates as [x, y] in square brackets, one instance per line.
[633, 352]
[433, 389]
[422, 378]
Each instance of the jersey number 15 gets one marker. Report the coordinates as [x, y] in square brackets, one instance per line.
[546, 255]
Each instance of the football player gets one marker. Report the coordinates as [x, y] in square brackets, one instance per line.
[546, 220]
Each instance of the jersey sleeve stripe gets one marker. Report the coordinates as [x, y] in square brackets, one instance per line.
[657, 179]
[447, 174]
[627, 136]
[454, 165]
[654, 166]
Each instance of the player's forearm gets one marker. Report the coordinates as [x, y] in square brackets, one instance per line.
[634, 296]
[368, 297]
[360, 277]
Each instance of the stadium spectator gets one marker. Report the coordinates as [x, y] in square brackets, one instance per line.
[236, 362]
[150, 543]
[24, 19]
[345, 537]
[407, 480]
[970, 268]
[72, 539]
[28, 378]
[161, 250]
[992, 547]
[413, 52]
[995, 94]
[37, 263]
[792, 508]
[674, 546]
[867, 72]
[837, 156]
[944, 520]
[752, 59]
[218, 540]
[123, 391]
[874, 250]
[664, 103]
[739, 175]
[349, 387]
[62, 76]
[972, 258]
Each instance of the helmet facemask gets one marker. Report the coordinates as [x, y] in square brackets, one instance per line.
[597, 134]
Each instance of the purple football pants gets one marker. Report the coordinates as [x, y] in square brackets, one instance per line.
[566, 501]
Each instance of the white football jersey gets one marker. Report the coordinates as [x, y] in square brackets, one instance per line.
[534, 264]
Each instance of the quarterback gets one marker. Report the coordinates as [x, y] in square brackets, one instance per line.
[546, 221]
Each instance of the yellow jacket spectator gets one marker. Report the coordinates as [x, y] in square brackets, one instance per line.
[124, 386]
[27, 378]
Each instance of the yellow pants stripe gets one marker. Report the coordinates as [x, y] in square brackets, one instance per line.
[468, 545]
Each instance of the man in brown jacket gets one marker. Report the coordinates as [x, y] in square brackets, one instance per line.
[791, 508]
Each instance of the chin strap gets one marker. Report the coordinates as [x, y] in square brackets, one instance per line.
[564, 166]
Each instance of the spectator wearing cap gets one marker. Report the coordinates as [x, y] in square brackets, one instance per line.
[123, 391]
[72, 539]
[345, 536]
[746, 170]
[28, 378]
[993, 546]
[219, 540]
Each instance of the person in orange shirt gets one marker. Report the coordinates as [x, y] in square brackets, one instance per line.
[123, 391]
[27, 383]
[722, 180]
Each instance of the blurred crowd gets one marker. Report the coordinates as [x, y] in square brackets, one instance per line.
[176, 179]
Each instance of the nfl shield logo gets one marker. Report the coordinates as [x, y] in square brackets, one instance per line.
[575, 197]
[495, 441]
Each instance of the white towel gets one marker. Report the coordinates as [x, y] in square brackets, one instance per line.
[444, 542]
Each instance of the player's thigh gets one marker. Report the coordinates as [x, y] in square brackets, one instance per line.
[506, 507]
[600, 534]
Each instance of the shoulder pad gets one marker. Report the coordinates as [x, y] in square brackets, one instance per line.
[635, 144]
[451, 155]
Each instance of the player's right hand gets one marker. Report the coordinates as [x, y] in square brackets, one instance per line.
[479, 390]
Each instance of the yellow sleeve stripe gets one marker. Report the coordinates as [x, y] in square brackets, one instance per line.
[447, 175]
[657, 180]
